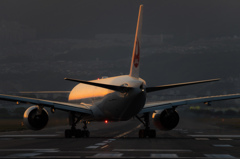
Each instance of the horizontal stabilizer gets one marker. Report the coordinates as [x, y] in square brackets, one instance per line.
[44, 92]
[107, 86]
[152, 89]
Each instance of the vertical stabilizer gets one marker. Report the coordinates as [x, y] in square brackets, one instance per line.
[134, 70]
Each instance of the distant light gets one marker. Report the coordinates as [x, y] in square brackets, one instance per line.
[153, 115]
[106, 121]
[98, 79]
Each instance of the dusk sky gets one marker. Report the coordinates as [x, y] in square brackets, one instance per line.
[83, 19]
[84, 35]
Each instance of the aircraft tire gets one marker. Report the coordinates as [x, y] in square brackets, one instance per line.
[142, 133]
[85, 133]
[68, 133]
[78, 133]
[152, 133]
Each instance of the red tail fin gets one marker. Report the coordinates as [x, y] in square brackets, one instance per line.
[134, 70]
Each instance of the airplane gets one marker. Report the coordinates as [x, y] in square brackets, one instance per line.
[118, 98]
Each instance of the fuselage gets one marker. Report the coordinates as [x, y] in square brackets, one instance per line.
[108, 104]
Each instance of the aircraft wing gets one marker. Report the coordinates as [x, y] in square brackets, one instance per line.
[162, 87]
[81, 108]
[161, 105]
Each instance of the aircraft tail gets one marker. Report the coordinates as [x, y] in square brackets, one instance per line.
[134, 70]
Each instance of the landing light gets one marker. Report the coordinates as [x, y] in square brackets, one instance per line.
[106, 121]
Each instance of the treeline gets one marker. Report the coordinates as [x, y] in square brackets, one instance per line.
[16, 113]
[227, 113]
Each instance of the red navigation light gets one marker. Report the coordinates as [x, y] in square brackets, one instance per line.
[106, 121]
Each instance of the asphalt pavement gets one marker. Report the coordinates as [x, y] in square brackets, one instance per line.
[190, 139]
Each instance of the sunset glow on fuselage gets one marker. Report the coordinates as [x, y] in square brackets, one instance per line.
[110, 104]
[83, 91]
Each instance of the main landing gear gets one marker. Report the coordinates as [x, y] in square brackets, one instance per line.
[73, 120]
[147, 132]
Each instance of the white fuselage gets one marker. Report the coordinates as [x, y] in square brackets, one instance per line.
[108, 104]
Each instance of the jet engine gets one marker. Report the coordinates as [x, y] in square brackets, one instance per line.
[35, 118]
[166, 119]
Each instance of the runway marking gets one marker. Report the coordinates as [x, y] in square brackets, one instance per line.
[107, 155]
[31, 135]
[125, 133]
[204, 139]
[218, 156]
[164, 155]
[92, 147]
[35, 150]
[153, 150]
[100, 144]
[223, 145]
[56, 157]
[24, 155]
[217, 136]
[111, 140]
[104, 146]
[107, 141]
[227, 139]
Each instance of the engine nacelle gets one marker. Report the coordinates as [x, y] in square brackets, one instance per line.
[167, 119]
[34, 119]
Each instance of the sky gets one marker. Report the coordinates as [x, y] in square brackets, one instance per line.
[85, 19]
